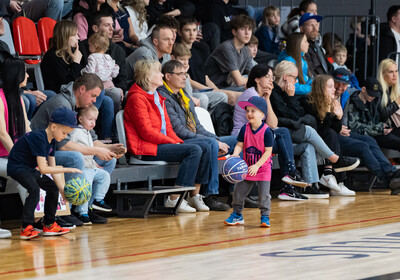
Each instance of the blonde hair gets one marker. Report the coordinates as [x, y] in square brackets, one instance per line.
[140, 9]
[180, 50]
[318, 99]
[142, 71]
[268, 11]
[395, 92]
[284, 67]
[339, 48]
[60, 41]
[100, 41]
[83, 111]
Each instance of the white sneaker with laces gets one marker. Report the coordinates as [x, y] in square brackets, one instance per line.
[329, 181]
[184, 208]
[344, 191]
[5, 233]
[198, 203]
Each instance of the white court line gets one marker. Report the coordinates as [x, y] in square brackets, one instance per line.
[350, 254]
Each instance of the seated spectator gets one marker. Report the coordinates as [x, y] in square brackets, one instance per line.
[187, 126]
[301, 125]
[99, 178]
[61, 65]
[231, 60]
[33, 9]
[207, 97]
[252, 45]
[260, 83]
[339, 60]
[267, 33]
[82, 15]
[390, 34]
[321, 103]
[157, 47]
[130, 39]
[102, 64]
[388, 105]
[292, 23]
[150, 135]
[174, 8]
[138, 14]
[297, 47]
[315, 57]
[363, 119]
[12, 113]
[328, 45]
[188, 32]
[220, 13]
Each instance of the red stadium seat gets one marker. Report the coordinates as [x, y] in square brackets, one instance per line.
[45, 28]
[27, 46]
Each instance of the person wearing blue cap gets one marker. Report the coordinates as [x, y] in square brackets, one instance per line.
[315, 57]
[37, 149]
[256, 140]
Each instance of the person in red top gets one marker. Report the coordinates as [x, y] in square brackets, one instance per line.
[149, 132]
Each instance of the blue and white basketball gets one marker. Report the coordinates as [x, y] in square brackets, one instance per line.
[234, 170]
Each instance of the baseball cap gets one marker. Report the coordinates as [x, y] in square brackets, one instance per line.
[255, 101]
[341, 75]
[65, 117]
[307, 16]
[373, 87]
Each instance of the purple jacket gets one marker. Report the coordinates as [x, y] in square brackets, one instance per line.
[239, 116]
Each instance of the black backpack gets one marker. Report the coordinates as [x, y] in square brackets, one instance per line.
[222, 119]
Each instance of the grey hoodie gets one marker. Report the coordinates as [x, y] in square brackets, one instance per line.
[66, 98]
[146, 51]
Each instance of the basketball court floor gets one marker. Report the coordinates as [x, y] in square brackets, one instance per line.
[337, 238]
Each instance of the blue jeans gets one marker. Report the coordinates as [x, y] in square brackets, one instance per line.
[106, 108]
[70, 159]
[108, 166]
[367, 149]
[311, 136]
[30, 102]
[283, 146]
[100, 181]
[308, 160]
[36, 9]
[67, 7]
[188, 155]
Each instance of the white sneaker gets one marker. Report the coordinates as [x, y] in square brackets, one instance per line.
[198, 203]
[5, 233]
[184, 208]
[344, 191]
[329, 181]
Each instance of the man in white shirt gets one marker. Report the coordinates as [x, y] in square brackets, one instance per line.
[390, 34]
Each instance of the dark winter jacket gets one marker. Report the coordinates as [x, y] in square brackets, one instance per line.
[387, 42]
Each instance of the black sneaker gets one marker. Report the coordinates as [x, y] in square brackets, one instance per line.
[38, 226]
[64, 224]
[214, 204]
[250, 203]
[345, 164]
[288, 192]
[314, 192]
[294, 179]
[84, 219]
[72, 220]
[96, 219]
[101, 206]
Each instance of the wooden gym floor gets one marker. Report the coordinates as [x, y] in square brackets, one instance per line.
[337, 238]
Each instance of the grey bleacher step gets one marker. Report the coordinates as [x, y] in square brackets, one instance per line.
[154, 190]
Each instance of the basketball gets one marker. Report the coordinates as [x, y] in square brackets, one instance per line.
[234, 170]
[77, 191]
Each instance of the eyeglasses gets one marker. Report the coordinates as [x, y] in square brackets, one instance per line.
[181, 74]
[269, 77]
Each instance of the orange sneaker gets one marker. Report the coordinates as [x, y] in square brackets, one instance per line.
[28, 233]
[54, 229]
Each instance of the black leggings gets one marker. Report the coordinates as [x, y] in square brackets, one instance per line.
[33, 181]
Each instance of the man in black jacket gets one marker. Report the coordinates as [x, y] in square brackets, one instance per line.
[390, 33]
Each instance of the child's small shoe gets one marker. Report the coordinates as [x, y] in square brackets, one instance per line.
[54, 229]
[28, 233]
[265, 221]
[234, 219]
[101, 206]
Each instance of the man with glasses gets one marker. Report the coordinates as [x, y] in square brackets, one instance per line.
[187, 126]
